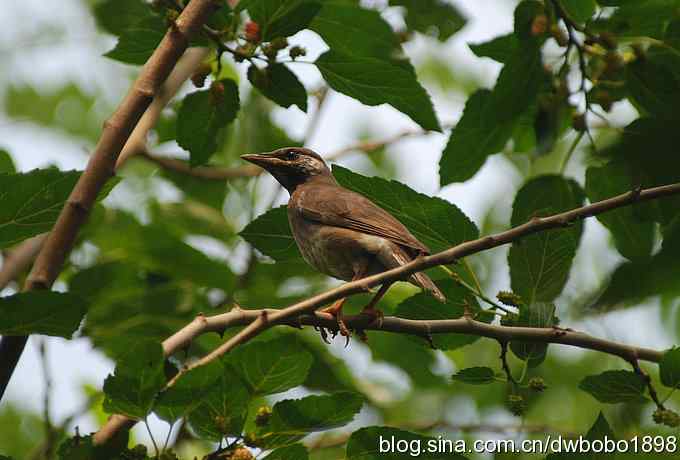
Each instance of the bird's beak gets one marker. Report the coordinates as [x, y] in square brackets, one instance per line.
[262, 160]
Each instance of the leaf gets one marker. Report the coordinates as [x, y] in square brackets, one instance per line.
[634, 238]
[669, 368]
[292, 452]
[540, 263]
[6, 162]
[500, 49]
[538, 314]
[201, 117]
[379, 443]
[66, 108]
[41, 312]
[279, 84]
[475, 375]
[137, 42]
[472, 140]
[416, 361]
[579, 10]
[374, 82]
[282, 18]
[437, 223]
[613, 387]
[653, 83]
[138, 377]
[188, 392]
[273, 366]
[599, 431]
[423, 306]
[489, 117]
[115, 16]
[292, 419]
[632, 282]
[355, 31]
[270, 234]
[432, 17]
[222, 411]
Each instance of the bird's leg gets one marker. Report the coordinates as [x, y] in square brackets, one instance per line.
[370, 309]
[336, 311]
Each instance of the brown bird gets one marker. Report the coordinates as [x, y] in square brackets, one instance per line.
[339, 232]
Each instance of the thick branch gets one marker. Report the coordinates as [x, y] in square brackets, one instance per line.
[299, 313]
[19, 259]
[100, 168]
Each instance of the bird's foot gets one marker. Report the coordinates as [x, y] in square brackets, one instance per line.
[342, 326]
[374, 314]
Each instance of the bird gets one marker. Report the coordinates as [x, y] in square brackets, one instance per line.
[339, 232]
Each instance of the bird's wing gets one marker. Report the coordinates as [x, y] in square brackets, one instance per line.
[339, 207]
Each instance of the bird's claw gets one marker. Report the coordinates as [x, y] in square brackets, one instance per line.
[342, 329]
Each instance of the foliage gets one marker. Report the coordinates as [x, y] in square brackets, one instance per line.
[181, 240]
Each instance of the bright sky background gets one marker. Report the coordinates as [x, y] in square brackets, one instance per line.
[76, 55]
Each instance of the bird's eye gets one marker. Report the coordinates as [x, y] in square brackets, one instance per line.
[291, 155]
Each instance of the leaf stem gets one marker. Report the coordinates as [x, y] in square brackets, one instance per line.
[571, 150]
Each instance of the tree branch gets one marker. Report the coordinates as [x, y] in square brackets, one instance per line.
[100, 168]
[301, 312]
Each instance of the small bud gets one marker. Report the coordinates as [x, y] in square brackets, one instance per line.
[509, 298]
[251, 440]
[170, 17]
[279, 43]
[241, 453]
[537, 384]
[252, 32]
[578, 122]
[666, 417]
[244, 51]
[262, 416]
[539, 25]
[201, 73]
[608, 40]
[297, 51]
[516, 404]
[216, 92]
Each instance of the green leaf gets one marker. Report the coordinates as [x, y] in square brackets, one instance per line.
[270, 234]
[669, 368]
[188, 392]
[292, 419]
[433, 17]
[223, 410]
[282, 18]
[6, 162]
[279, 84]
[137, 42]
[355, 31]
[500, 49]
[579, 10]
[138, 377]
[540, 263]
[632, 282]
[634, 238]
[116, 16]
[379, 443]
[292, 452]
[423, 306]
[489, 117]
[538, 314]
[374, 82]
[653, 83]
[201, 117]
[273, 366]
[599, 431]
[613, 387]
[32, 201]
[66, 108]
[475, 375]
[416, 361]
[472, 140]
[437, 223]
[41, 312]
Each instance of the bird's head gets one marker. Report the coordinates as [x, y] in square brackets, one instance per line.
[291, 166]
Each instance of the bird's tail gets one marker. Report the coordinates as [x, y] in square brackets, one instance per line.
[424, 281]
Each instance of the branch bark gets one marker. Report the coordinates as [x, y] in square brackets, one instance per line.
[302, 313]
[100, 168]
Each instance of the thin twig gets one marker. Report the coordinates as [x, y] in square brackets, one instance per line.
[300, 313]
[100, 168]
